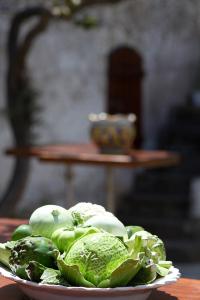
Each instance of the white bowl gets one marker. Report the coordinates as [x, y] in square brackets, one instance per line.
[57, 292]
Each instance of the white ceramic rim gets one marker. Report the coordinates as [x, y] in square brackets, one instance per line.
[109, 117]
[172, 277]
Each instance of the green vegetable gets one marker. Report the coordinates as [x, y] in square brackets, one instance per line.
[39, 249]
[84, 246]
[98, 259]
[109, 223]
[146, 274]
[88, 214]
[38, 273]
[63, 238]
[162, 267]
[51, 276]
[133, 229]
[5, 251]
[154, 244]
[20, 232]
[154, 260]
[83, 211]
[46, 219]
[151, 244]
[34, 271]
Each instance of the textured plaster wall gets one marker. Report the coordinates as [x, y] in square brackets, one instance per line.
[68, 67]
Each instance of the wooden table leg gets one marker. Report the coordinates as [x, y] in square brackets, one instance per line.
[70, 186]
[110, 190]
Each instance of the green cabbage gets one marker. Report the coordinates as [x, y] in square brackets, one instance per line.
[154, 256]
[98, 259]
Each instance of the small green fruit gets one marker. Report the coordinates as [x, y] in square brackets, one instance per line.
[20, 232]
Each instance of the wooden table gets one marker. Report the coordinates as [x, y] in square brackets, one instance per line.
[88, 154]
[183, 289]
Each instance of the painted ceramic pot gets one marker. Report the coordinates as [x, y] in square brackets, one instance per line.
[113, 134]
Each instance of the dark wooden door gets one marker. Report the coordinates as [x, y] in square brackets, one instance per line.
[125, 73]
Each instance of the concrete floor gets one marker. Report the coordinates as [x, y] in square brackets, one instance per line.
[189, 270]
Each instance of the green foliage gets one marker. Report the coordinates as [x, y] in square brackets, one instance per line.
[85, 256]
[5, 250]
[38, 249]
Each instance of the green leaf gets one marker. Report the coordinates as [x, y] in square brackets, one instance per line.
[159, 248]
[135, 246]
[165, 263]
[5, 251]
[145, 275]
[144, 241]
[161, 270]
[20, 272]
[77, 218]
[34, 270]
[52, 276]
[72, 274]
[105, 283]
[83, 231]
[163, 267]
[122, 275]
[133, 229]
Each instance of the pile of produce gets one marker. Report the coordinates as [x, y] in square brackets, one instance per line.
[83, 246]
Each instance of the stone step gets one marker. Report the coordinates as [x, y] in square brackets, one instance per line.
[168, 174]
[186, 131]
[161, 184]
[155, 197]
[183, 250]
[154, 205]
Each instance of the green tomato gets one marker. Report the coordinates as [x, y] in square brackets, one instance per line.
[20, 232]
[63, 238]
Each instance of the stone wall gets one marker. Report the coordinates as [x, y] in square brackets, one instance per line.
[68, 67]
